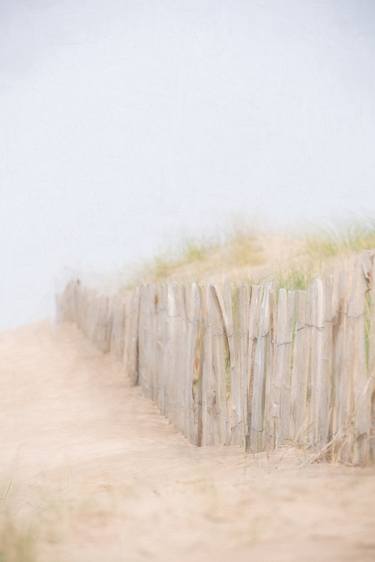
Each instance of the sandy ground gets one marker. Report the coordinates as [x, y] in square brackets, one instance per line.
[103, 477]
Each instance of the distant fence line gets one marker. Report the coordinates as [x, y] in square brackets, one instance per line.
[249, 365]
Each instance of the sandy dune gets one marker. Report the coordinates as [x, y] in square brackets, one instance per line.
[103, 477]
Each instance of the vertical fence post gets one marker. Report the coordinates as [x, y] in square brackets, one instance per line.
[261, 373]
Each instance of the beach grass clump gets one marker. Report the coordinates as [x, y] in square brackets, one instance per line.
[294, 278]
[237, 247]
[322, 247]
[187, 253]
[243, 248]
[344, 239]
[17, 542]
[291, 261]
[18, 538]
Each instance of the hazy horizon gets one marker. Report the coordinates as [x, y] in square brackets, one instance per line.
[127, 124]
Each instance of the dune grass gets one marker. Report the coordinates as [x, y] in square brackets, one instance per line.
[165, 264]
[243, 247]
[17, 542]
[294, 278]
[323, 246]
[236, 247]
[48, 520]
[17, 539]
[343, 239]
[189, 251]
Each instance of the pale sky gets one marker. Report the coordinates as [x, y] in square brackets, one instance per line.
[126, 123]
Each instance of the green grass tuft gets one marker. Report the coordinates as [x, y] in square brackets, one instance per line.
[294, 279]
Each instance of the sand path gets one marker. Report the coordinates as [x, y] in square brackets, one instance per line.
[103, 477]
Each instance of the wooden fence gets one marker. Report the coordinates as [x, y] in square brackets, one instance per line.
[249, 365]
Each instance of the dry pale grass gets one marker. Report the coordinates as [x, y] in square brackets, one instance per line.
[17, 542]
[343, 239]
[252, 255]
[239, 248]
[323, 247]
[17, 538]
